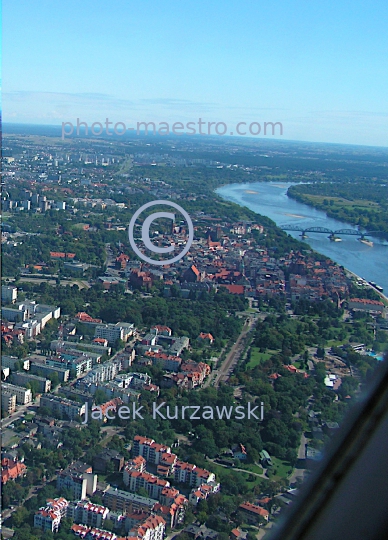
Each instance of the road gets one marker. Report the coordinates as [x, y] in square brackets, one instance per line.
[222, 374]
[302, 447]
[298, 472]
[260, 475]
[368, 285]
[110, 262]
[22, 409]
[82, 284]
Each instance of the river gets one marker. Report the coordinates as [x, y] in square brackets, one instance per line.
[270, 199]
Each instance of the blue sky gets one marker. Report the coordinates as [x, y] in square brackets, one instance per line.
[320, 68]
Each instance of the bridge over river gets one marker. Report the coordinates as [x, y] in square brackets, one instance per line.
[332, 234]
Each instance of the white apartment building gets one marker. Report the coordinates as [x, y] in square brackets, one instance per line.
[114, 390]
[8, 401]
[188, 473]
[203, 491]
[13, 314]
[135, 480]
[43, 385]
[79, 479]
[63, 406]
[31, 312]
[149, 449]
[9, 294]
[88, 513]
[31, 328]
[113, 332]
[10, 361]
[23, 395]
[104, 372]
[153, 528]
[133, 380]
[49, 518]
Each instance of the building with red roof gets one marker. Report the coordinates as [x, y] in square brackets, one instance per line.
[135, 480]
[83, 317]
[235, 289]
[11, 469]
[61, 255]
[253, 513]
[149, 449]
[365, 304]
[206, 337]
[192, 274]
[49, 518]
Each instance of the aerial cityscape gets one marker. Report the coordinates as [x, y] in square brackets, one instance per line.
[194, 287]
[188, 399]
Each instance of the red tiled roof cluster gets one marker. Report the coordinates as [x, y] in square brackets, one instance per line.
[11, 469]
[254, 508]
[61, 255]
[367, 301]
[82, 316]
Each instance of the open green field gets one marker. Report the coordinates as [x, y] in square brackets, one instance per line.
[251, 467]
[79, 225]
[283, 469]
[258, 357]
[339, 201]
[251, 480]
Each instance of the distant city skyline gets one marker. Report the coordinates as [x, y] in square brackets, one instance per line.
[320, 70]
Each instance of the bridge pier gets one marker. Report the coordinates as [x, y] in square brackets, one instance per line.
[334, 238]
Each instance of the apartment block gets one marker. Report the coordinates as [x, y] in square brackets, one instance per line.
[203, 491]
[191, 474]
[149, 449]
[30, 328]
[135, 480]
[9, 294]
[62, 406]
[79, 479]
[45, 370]
[95, 533]
[153, 528]
[42, 385]
[138, 463]
[23, 395]
[13, 314]
[123, 501]
[253, 513]
[104, 372]
[364, 304]
[8, 402]
[74, 361]
[113, 332]
[88, 513]
[11, 361]
[169, 362]
[30, 316]
[49, 518]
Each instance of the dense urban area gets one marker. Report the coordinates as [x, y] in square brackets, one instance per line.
[189, 400]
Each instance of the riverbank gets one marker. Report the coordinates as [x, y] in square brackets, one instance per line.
[271, 201]
[356, 204]
[382, 295]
